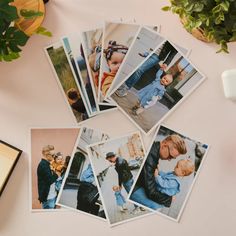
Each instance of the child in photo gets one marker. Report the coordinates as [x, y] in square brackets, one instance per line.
[76, 102]
[169, 182]
[114, 55]
[120, 200]
[150, 94]
[58, 166]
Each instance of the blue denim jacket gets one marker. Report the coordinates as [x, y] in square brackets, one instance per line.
[152, 90]
[168, 183]
[88, 175]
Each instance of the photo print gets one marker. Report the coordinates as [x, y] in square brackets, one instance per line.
[166, 179]
[9, 157]
[71, 90]
[51, 150]
[116, 42]
[92, 46]
[74, 50]
[79, 190]
[146, 41]
[155, 88]
[116, 163]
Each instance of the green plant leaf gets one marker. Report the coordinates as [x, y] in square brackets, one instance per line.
[11, 40]
[225, 5]
[166, 8]
[216, 18]
[7, 13]
[43, 31]
[29, 14]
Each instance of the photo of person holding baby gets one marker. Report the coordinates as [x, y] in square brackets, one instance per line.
[168, 173]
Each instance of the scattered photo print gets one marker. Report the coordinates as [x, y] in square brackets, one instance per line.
[169, 172]
[74, 49]
[116, 163]
[79, 190]
[157, 86]
[116, 42]
[67, 82]
[51, 150]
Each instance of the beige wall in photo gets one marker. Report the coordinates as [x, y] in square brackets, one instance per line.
[62, 139]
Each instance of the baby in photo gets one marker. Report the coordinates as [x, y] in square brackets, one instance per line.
[169, 182]
[114, 55]
[58, 166]
[150, 94]
[120, 200]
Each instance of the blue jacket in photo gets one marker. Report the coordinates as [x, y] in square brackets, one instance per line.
[168, 183]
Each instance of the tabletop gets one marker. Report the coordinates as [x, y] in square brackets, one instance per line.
[30, 97]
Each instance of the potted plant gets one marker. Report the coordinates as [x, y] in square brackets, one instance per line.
[19, 19]
[207, 20]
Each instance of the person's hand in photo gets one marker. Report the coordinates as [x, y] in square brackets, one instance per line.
[163, 66]
[156, 172]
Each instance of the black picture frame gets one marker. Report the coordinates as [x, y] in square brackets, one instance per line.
[14, 162]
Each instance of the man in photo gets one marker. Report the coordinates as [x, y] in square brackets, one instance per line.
[125, 177]
[47, 179]
[145, 191]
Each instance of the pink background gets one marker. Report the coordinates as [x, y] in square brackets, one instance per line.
[30, 97]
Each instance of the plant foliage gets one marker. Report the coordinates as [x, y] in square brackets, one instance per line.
[217, 18]
[12, 38]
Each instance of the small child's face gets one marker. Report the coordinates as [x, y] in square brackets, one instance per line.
[180, 167]
[59, 160]
[115, 188]
[166, 79]
[184, 168]
[115, 61]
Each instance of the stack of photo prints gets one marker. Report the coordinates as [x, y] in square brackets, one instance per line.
[132, 68]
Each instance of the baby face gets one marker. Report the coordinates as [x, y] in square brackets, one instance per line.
[184, 168]
[179, 168]
[59, 160]
[166, 79]
[115, 61]
[115, 188]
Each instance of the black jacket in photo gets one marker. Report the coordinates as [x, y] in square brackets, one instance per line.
[147, 179]
[123, 170]
[46, 177]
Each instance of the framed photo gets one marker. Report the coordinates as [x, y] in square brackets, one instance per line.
[9, 155]
[172, 165]
[157, 86]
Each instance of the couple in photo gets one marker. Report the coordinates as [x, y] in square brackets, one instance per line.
[50, 173]
[156, 189]
[125, 179]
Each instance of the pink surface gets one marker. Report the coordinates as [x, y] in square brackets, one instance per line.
[29, 96]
